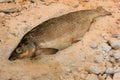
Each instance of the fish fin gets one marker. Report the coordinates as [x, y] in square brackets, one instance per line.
[49, 51]
[46, 51]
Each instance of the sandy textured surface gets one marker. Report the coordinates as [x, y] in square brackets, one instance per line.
[92, 58]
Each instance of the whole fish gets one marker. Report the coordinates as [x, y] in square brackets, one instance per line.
[56, 34]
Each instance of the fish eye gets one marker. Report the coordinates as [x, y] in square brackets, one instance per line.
[19, 50]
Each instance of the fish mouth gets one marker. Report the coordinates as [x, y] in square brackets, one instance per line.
[14, 57]
[11, 58]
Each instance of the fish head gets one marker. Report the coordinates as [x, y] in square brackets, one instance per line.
[26, 50]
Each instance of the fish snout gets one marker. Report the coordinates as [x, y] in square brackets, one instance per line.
[12, 58]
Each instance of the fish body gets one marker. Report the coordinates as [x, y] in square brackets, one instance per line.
[57, 33]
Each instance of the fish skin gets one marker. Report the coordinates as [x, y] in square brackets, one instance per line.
[57, 33]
